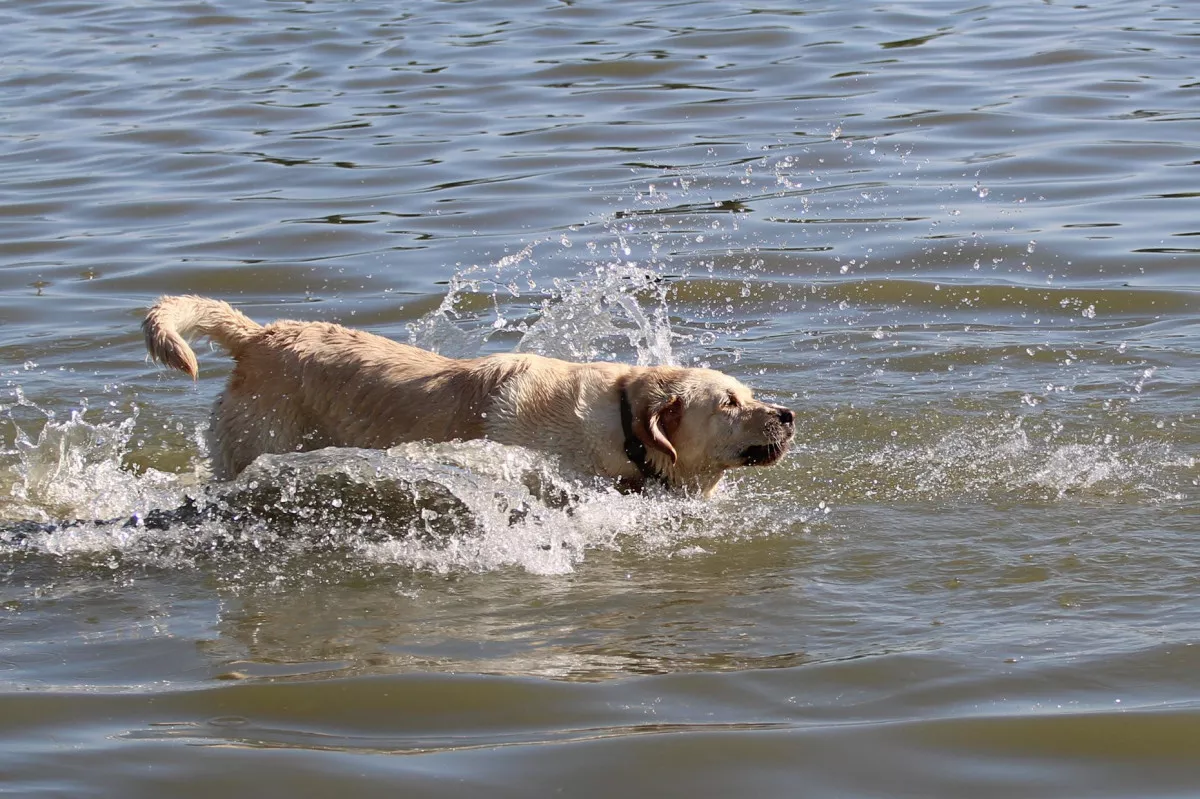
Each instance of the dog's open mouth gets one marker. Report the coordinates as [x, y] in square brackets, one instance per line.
[763, 454]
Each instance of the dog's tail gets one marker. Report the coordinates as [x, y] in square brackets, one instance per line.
[172, 320]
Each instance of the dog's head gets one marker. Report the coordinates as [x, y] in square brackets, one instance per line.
[696, 423]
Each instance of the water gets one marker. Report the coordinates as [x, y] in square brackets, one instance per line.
[958, 239]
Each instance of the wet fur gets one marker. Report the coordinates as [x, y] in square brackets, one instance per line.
[300, 386]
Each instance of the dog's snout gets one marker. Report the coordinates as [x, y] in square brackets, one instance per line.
[786, 416]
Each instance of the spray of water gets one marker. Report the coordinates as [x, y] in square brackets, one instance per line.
[618, 308]
[446, 507]
[73, 468]
[481, 506]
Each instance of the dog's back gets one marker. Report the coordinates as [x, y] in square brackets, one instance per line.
[306, 385]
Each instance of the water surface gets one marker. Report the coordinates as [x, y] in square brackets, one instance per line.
[959, 239]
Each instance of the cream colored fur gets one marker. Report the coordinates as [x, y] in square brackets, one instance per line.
[307, 385]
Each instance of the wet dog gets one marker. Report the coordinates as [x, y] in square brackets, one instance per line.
[300, 386]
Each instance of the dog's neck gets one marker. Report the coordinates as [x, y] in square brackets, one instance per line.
[635, 450]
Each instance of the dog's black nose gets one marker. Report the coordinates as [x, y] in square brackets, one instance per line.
[786, 416]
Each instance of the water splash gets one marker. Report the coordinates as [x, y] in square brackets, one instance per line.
[444, 330]
[480, 506]
[471, 506]
[618, 309]
[588, 320]
[449, 507]
[73, 468]
[1003, 460]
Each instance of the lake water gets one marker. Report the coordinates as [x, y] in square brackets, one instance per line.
[960, 239]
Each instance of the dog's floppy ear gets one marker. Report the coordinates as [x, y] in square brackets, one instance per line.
[657, 412]
[661, 426]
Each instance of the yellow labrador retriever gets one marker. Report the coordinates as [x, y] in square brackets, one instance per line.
[307, 385]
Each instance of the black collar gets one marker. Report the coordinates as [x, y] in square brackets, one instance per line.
[635, 450]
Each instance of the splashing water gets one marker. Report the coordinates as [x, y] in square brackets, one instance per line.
[468, 506]
[1001, 460]
[618, 307]
[580, 320]
[73, 469]
[479, 506]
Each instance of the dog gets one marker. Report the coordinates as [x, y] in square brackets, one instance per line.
[300, 386]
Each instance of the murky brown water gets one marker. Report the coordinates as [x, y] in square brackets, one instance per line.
[959, 239]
